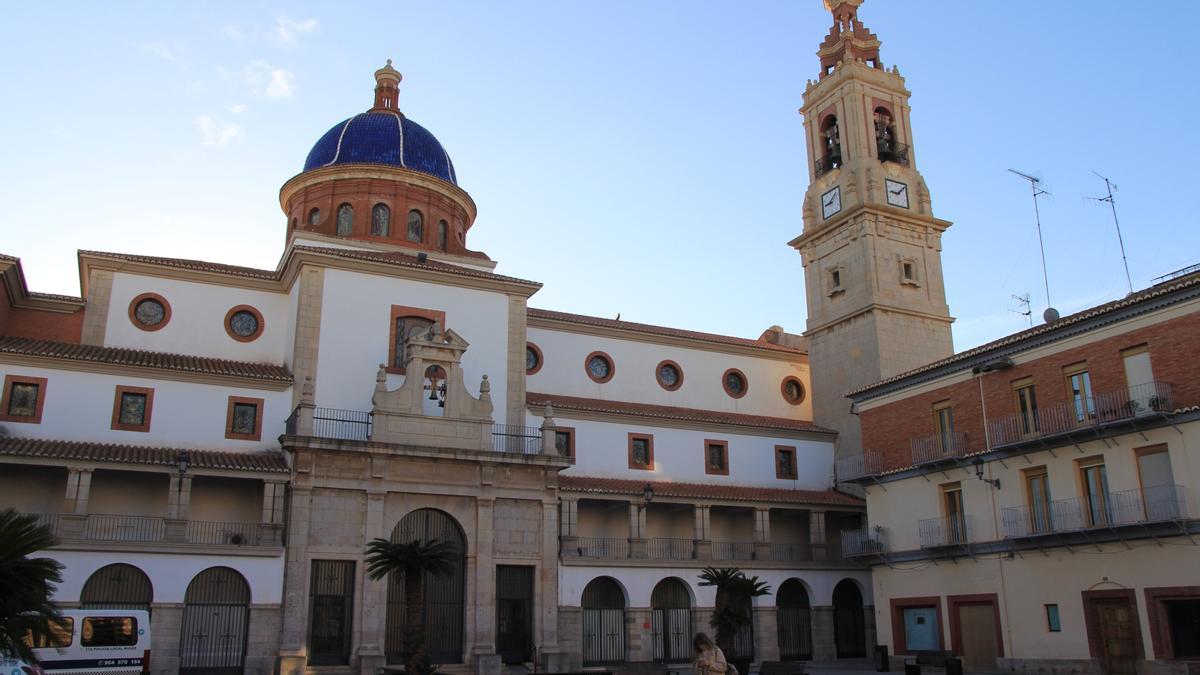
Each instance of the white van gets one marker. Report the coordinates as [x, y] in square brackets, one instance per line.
[91, 641]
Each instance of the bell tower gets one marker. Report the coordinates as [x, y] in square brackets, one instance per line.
[871, 246]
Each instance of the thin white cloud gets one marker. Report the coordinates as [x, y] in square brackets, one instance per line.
[270, 81]
[216, 133]
[288, 30]
[161, 50]
[236, 108]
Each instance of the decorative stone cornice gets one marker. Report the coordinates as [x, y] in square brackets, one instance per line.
[378, 172]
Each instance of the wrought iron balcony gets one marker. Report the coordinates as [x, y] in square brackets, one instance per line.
[824, 165]
[791, 552]
[95, 527]
[602, 547]
[1126, 403]
[1159, 504]
[516, 439]
[938, 447]
[943, 532]
[891, 151]
[867, 463]
[733, 550]
[670, 549]
[335, 423]
[871, 541]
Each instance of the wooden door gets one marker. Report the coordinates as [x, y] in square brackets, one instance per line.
[1116, 636]
[977, 626]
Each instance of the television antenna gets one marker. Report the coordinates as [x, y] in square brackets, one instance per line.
[1025, 308]
[1113, 203]
[1050, 314]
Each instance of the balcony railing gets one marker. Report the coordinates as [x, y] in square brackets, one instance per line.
[863, 542]
[1126, 403]
[124, 528]
[939, 532]
[891, 151]
[868, 463]
[938, 447]
[733, 550]
[335, 423]
[231, 534]
[670, 549]
[153, 530]
[603, 547]
[824, 165]
[516, 439]
[782, 552]
[1162, 503]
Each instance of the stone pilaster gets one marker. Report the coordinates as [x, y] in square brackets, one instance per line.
[180, 494]
[551, 650]
[308, 327]
[517, 335]
[79, 489]
[293, 655]
[274, 494]
[639, 645]
[373, 612]
[762, 533]
[485, 586]
[95, 315]
[702, 524]
[637, 530]
[824, 649]
[816, 535]
[766, 634]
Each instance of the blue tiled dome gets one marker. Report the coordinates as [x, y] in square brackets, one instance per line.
[382, 138]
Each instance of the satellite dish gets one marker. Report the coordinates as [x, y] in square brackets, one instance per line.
[1050, 315]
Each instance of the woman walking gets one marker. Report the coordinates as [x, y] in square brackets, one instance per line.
[710, 660]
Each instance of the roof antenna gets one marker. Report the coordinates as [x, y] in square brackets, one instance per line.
[1026, 310]
[1050, 314]
[1113, 203]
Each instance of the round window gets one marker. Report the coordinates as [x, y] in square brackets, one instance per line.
[243, 323]
[734, 382]
[793, 391]
[533, 358]
[669, 375]
[150, 312]
[599, 367]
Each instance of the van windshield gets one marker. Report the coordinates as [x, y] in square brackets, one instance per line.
[109, 631]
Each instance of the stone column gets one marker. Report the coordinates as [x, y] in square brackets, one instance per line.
[762, 533]
[824, 650]
[373, 605]
[180, 493]
[703, 543]
[816, 534]
[637, 530]
[293, 654]
[79, 489]
[483, 651]
[766, 634]
[553, 660]
[568, 522]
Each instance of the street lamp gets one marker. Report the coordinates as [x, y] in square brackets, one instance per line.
[994, 482]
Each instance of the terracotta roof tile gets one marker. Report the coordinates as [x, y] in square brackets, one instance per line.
[184, 263]
[534, 313]
[272, 461]
[672, 413]
[622, 486]
[145, 359]
[1131, 299]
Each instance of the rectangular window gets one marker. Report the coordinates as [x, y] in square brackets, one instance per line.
[1026, 402]
[1037, 487]
[1160, 500]
[785, 462]
[1094, 480]
[60, 634]
[564, 441]
[835, 279]
[641, 452]
[22, 399]
[109, 631]
[1053, 624]
[243, 419]
[131, 408]
[956, 518]
[1079, 389]
[943, 424]
[716, 457]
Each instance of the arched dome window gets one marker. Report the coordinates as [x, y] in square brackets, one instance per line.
[314, 217]
[442, 234]
[381, 220]
[416, 226]
[831, 137]
[345, 220]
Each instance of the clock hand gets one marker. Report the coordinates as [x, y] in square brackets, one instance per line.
[896, 192]
[829, 202]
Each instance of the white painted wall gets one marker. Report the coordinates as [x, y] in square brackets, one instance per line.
[563, 373]
[638, 583]
[197, 324]
[356, 323]
[170, 574]
[185, 415]
[601, 449]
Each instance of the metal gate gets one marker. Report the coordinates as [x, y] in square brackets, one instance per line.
[514, 613]
[443, 615]
[331, 607]
[117, 586]
[216, 614]
[849, 629]
[603, 623]
[671, 621]
[795, 622]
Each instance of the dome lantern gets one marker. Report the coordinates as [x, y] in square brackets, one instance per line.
[387, 88]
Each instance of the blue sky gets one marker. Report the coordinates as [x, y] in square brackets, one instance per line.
[644, 158]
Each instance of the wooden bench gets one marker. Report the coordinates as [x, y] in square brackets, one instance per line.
[946, 660]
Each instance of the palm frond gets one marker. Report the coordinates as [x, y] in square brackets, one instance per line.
[434, 556]
[26, 584]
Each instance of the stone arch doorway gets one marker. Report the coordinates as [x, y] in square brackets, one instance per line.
[444, 608]
[603, 606]
[794, 615]
[671, 621]
[849, 629]
[216, 616]
[117, 586]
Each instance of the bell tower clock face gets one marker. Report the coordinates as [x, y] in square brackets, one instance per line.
[831, 202]
[897, 193]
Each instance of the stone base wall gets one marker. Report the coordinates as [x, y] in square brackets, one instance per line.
[262, 639]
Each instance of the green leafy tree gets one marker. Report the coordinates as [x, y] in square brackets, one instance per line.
[412, 561]
[26, 584]
[731, 613]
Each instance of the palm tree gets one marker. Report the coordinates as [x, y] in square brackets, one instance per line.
[734, 591]
[412, 561]
[26, 584]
